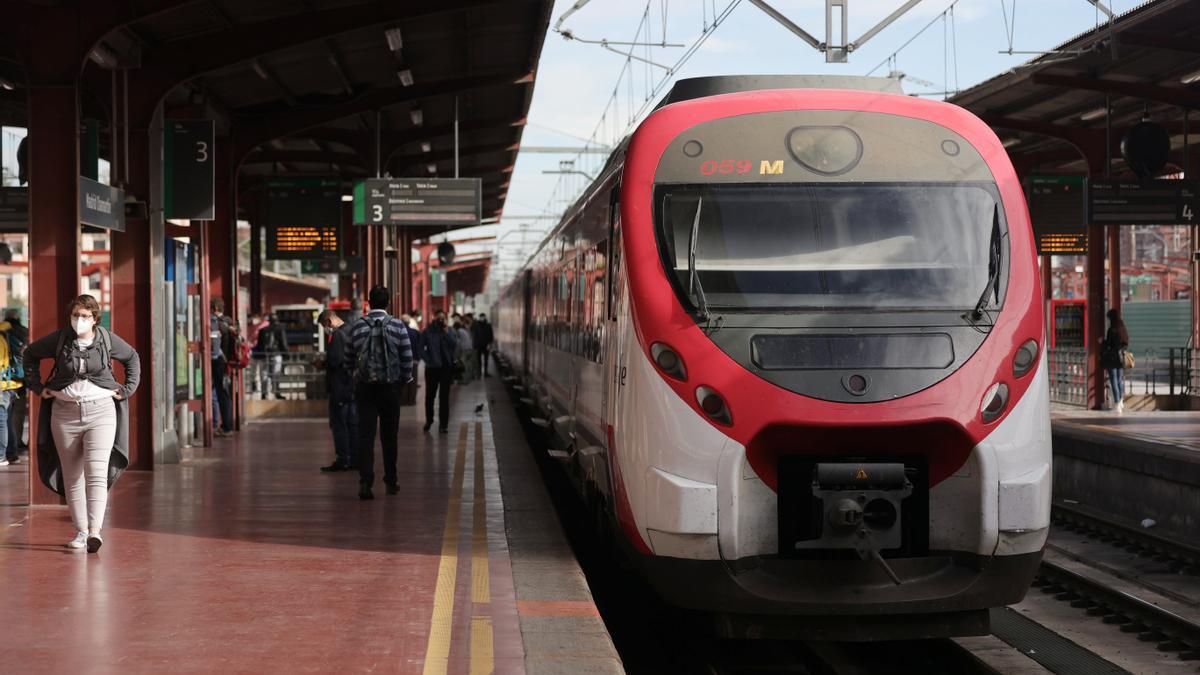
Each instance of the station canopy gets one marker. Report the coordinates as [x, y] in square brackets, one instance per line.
[1050, 111]
[314, 87]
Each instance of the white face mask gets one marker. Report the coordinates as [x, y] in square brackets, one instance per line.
[82, 325]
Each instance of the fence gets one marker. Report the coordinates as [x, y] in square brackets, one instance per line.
[1167, 371]
[286, 375]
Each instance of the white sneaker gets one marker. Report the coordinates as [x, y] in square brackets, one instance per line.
[94, 542]
[3, 461]
[79, 541]
[1120, 407]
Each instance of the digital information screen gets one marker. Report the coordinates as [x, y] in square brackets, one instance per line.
[304, 201]
[455, 202]
[302, 242]
[1148, 202]
[1057, 206]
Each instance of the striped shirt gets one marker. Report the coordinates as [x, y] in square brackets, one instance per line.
[396, 332]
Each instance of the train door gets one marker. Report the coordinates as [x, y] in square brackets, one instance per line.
[611, 334]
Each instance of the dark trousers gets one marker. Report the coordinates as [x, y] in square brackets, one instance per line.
[481, 360]
[343, 422]
[16, 422]
[378, 404]
[438, 379]
[224, 403]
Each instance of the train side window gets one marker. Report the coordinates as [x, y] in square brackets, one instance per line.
[614, 251]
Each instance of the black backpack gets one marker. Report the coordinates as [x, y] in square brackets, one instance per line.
[378, 360]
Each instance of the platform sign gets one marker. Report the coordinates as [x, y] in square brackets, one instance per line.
[1148, 202]
[1057, 208]
[101, 205]
[302, 242]
[188, 170]
[333, 266]
[437, 283]
[304, 201]
[453, 202]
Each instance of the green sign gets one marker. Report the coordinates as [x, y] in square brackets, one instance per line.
[437, 283]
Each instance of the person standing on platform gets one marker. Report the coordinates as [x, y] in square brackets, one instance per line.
[220, 335]
[382, 358]
[465, 352]
[16, 340]
[272, 345]
[86, 414]
[438, 347]
[339, 379]
[408, 396]
[482, 338]
[1113, 356]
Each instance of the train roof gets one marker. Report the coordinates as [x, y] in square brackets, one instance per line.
[700, 87]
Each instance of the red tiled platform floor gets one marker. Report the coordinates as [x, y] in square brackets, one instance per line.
[246, 558]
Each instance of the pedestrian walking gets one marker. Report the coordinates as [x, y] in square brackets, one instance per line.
[83, 428]
[222, 342]
[438, 348]
[339, 380]
[482, 338]
[382, 356]
[1115, 357]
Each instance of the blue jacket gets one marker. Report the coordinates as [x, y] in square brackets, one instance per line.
[438, 347]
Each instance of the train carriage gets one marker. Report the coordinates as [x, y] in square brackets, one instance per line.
[790, 345]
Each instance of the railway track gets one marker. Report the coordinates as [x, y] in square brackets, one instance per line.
[1181, 557]
[1169, 631]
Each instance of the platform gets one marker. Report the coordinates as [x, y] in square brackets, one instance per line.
[1133, 466]
[246, 558]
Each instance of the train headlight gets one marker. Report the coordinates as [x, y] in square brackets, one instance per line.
[1025, 357]
[826, 150]
[668, 361]
[994, 402]
[713, 405]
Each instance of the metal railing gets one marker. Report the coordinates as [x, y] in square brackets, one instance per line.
[286, 375]
[1166, 371]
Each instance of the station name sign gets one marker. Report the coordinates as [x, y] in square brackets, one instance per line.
[1147, 202]
[453, 202]
[101, 205]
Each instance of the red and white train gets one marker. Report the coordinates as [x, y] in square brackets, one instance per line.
[790, 346]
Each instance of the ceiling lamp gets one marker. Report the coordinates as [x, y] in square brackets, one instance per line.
[417, 117]
[1190, 77]
[432, 168]
[394, 40]
[426, 146]
[1094, 114]
[405, 76]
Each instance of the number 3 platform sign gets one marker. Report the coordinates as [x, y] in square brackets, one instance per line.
[188, 170]
[450, 202]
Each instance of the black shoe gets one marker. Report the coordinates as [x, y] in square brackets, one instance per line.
[335, 467]
[279, 397]
[364, 493]
[427, 427]
[393, 489]
[443, 430]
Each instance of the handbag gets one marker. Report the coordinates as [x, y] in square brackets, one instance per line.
[1127, 360]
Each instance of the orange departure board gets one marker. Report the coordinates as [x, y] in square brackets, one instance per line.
[302, 242]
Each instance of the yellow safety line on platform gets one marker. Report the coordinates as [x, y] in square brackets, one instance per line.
[481, 646]
[481, 591]
[441, 626]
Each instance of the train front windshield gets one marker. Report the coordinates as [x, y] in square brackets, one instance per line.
[832, 246]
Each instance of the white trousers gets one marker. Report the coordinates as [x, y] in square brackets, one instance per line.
[84, 433]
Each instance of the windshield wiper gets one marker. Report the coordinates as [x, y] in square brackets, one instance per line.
[694, 287]
[994, 254]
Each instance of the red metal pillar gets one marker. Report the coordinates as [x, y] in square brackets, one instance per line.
[256, 297]
[132, 287]
[54, 227]
[202, 269]
[220, 247]
[1114, 267]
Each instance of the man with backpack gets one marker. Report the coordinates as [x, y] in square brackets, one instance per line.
[221, 337]
[482, 337]
[383, 361]
[270, 346]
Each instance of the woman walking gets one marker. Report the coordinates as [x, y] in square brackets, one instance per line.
[1112, 358]
[83, 425]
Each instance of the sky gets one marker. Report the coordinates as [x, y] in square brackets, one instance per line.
[573, 92]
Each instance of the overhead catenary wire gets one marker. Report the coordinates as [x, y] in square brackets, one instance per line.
[913, 38]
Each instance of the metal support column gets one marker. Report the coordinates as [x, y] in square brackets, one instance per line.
[54, 233]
